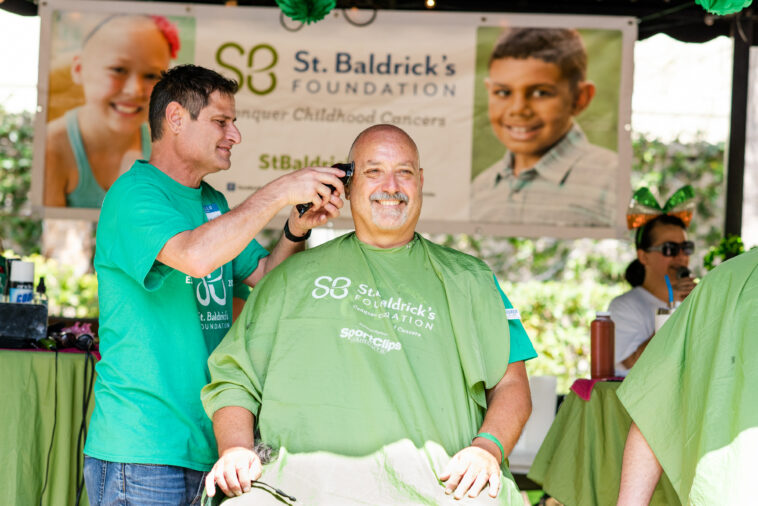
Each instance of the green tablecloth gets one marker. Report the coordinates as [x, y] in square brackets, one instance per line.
[579, 462]
[27, 396]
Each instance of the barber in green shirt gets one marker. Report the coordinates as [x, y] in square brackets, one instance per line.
[169, 253]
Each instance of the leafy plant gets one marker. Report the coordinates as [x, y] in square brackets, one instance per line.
[18, 228]
[728, 247]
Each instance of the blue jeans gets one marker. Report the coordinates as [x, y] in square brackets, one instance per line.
[114, 483]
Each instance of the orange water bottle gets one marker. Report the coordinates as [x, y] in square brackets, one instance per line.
[602, 336]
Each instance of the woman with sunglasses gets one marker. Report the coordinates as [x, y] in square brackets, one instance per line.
[662, 249]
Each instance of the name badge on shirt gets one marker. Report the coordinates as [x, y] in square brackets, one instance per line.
[512, 314]
[211, 211]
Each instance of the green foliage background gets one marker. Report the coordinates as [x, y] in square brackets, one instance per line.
[556, 284]
[18, 228]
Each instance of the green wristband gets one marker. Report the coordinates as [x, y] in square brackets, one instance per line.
[487, 435]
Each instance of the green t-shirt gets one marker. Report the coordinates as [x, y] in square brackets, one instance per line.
[521, 346]
[346, 348]
[241, 291]
[157, 325]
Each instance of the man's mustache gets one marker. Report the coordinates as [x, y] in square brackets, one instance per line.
[389, 196]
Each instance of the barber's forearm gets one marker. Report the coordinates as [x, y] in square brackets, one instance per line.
[200, 251]
[233, 427]
[283, 249]
[509, 405]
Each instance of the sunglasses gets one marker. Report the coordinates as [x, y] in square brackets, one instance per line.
[672, 249]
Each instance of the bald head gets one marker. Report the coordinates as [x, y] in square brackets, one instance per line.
[385, 132]
[385, 191]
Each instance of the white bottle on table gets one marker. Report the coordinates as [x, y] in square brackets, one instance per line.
[21, 286]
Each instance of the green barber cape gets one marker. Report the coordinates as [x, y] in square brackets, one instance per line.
[397, 474]
[348, 349]
[694, 391]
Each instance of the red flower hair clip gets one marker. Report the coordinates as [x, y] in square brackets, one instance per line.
[171, 34]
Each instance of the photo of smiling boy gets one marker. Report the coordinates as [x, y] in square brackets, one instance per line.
[90, 145]
[550, 174]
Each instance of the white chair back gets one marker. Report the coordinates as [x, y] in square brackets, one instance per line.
[544, 398]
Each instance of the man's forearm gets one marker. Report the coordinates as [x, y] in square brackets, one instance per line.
[283, 249]
[233, 427]
[640, 470]
[629, 361]
[238, 463]
[509, 405]
[200, 251]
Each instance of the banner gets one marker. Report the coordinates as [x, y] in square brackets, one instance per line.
[522, 121]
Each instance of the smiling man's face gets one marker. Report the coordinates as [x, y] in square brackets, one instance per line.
[385, 192]
[208, 140]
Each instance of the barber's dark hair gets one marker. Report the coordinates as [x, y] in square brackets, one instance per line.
[643, 239]
[560, 46]
[189, 85]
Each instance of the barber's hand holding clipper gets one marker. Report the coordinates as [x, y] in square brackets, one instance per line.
[319, 187]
